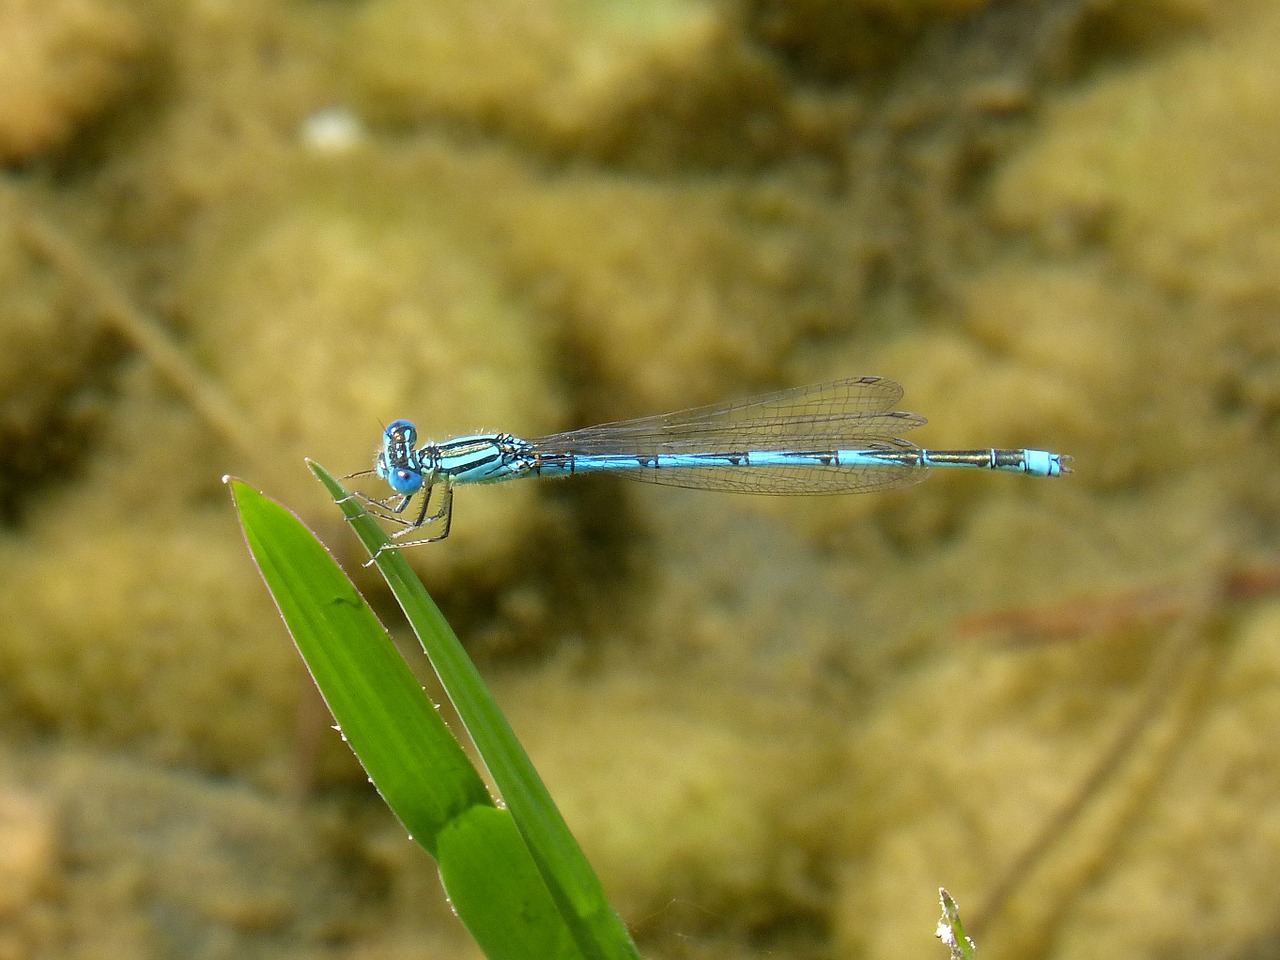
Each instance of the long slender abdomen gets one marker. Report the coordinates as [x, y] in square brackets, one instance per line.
[1037, 463]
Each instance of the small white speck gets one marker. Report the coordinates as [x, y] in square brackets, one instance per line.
[332, 130]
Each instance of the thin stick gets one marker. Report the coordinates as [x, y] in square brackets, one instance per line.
[145, 333]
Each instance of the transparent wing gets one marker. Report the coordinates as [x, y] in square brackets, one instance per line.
[851, 414]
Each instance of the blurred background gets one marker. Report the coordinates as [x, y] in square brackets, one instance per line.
[234, 235]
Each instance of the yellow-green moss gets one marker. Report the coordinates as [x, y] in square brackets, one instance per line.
[546, 214]
[64, 62]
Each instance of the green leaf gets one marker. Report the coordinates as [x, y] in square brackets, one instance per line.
[400, 739]
[408, 752]
[599, 932]
[486, 869]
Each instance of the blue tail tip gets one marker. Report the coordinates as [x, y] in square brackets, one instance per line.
[1042, 463]
[1046, 464]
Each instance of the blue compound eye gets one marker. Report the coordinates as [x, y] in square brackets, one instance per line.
[404, 481]
[401, 431]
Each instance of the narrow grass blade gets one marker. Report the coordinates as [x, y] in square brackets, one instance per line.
[951, 930]
[415, 763]
[576, 890]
